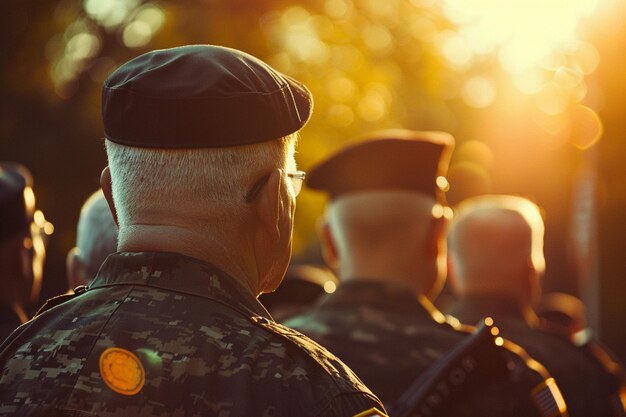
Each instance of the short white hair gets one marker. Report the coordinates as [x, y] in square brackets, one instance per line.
[96, 235]
[145, 178]
[493, 238]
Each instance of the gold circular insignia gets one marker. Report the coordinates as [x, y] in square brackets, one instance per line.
[122, 371]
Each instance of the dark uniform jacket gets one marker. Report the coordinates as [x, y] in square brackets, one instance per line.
[389, 338]
[9, 321]
[161, 334]
[588, 388]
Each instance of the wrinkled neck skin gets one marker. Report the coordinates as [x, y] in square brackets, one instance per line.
[234, 255]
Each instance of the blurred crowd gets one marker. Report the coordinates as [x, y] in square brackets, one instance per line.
[175, 304]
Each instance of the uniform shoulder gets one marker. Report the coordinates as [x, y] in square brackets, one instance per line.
[326, 372]
[343, 376]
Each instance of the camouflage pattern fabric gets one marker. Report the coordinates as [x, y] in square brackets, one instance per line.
[161, 334]
[389, 338]
[588, 388]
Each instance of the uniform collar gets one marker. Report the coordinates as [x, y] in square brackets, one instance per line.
[179, 273]
[387, 296]
[500, 308]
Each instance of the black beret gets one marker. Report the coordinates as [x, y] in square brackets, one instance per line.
[387, 159]
[201, 96]
[14, 216]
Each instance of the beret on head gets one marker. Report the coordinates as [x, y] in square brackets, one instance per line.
[201, 96]
[14, 216]
[387, 159]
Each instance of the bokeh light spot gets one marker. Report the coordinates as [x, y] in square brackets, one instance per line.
[371, 107]
[338, 9]
[330, 287]
[442, 183]
[109, 13]
[587, 127]
[567, 77]
[137, 34]
[455, 49]
[340, 115]
[341, 88]
[151, 15]
[478, 92]
[377, 38]
[552, 99]
[532, 80]
[82, 46]
[437, 211]
[29, 198]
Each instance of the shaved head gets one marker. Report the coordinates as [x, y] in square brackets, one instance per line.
[386, 233]
[496, 246]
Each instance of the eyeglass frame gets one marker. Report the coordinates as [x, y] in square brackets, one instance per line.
[297, 179]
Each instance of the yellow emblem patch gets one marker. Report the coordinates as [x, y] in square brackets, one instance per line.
[372, 412]
[122, 371]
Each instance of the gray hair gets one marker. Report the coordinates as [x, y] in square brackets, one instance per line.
[147, 179]
[96, 236]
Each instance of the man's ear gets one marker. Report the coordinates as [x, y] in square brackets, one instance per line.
[105, 183]
[75, 273]
[328, 246]
[267, 206]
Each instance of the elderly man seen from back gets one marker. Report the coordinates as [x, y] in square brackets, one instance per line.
[202, 179]
[384, 232]
[496, 266]
[22, 248]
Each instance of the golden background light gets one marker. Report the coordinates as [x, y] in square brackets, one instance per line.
[531, 90]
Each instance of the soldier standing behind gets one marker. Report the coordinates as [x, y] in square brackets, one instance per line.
[496, 266]
[22, 247]
[384, 233]
[96, 238]
[202, 180]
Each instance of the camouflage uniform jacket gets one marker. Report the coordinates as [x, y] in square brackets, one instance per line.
[161, 334]
[389, 338]
[588, 388]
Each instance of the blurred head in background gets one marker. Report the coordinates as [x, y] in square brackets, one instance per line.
[23, 237]
[385, 219]
[96, 238]
[495, 246]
